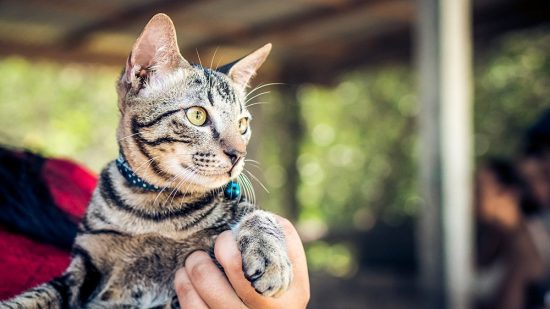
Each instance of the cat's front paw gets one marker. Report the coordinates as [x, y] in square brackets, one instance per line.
[265, 259]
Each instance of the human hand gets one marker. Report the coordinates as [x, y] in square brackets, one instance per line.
[200, 284]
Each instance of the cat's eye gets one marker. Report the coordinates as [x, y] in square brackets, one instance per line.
[196, 115]
[243, 125]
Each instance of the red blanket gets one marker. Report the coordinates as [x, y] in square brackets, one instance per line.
[24, 262]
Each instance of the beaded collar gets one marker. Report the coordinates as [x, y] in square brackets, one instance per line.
[132, 178]
[232, 190]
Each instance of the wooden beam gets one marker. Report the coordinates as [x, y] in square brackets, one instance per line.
[124, 17]
[65, 6]
[285, 24]
[322, 58]
[493, 19]
[368, 22]
[59, 54]
[310, 66]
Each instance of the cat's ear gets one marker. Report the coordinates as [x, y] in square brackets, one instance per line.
[242, 71]
[155, 52]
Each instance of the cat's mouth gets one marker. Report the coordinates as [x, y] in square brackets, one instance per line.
[211, 179]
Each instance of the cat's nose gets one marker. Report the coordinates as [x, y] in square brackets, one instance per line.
[234, 155]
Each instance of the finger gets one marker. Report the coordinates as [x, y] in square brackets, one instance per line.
[187, 295]
[297, 255]
[210, 283]
[229, 256]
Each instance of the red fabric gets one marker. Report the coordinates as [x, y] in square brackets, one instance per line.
[25, 263]
[71, 185]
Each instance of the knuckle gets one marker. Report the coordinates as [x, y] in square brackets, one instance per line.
[183, 287]
[200, 269]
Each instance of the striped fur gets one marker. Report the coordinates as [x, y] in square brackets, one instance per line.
[131, 240]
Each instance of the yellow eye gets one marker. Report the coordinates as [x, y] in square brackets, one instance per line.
[196, 115]
[243, 125]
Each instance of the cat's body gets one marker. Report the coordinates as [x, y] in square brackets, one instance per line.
[140, 227]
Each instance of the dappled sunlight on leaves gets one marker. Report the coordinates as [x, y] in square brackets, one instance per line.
[59, 110]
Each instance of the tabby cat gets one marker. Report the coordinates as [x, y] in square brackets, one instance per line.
[183, 133]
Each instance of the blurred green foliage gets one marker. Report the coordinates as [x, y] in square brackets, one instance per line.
[512, 87]
[357, 160]
[358, 147]
[59, 110]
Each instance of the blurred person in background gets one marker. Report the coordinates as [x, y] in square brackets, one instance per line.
[508, 261]
[534, 165]
[513, 226]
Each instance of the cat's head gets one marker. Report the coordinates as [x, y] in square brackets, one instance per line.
[183, 125]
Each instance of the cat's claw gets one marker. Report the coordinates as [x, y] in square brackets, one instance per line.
[269, 273]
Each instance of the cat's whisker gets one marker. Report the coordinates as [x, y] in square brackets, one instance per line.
[247, 188]
[125, 137]
[262, 86]
[254, 163]
[183, 177]
[218, 64]
[252, 160]
[173, 178]
[244, 191]
[219, 190]
[192, 174]
[164, 188]
[177, 187]
[188, 177]
[257, 95]
[257, 180]
[148, 162]
[241, 183]
[250, 188]
[256, 103]
[198, 56]
[214, 56]
[256, 166]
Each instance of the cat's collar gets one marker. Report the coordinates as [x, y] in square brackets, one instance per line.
[232, 190]
[132, 178]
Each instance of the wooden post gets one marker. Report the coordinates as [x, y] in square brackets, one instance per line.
[430, 228]
[445, 225]
[289, 115]
[456, 142]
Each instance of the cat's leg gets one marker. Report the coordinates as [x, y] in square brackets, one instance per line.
[265, 258]
[50, 295]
